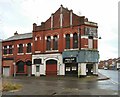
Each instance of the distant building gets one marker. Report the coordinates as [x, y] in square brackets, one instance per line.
[65, 44]
[101, 64]
[118, 63]
[112, 64]
[0, 56]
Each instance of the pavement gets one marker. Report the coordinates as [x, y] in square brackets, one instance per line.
[61, 86]
[102, 77]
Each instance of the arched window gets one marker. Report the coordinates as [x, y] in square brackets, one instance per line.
[67, 41]
[75, 40]
[5, 50]
[29, 48]
[48, 44]
[20, 48]
[55, 42]
[10, 49]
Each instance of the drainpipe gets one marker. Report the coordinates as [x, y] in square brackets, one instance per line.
[71, 13]
[79, 38]
[61, 16]
[51, 21]
[14, 69]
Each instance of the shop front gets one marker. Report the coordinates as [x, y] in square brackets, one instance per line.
[71, 66]
[80, 63]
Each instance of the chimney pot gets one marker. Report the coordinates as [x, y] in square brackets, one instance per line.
[16, 33]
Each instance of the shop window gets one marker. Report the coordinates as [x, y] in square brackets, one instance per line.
[48, 44]
[20, 48]
[10, 49]
[67, 68]
[29, 48]
[37, 61]
[75, 40]
[74, 68]
[67, 41]
[55, 43]
[5, 50]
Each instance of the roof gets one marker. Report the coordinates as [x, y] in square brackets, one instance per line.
[77, 20]
[19, 36]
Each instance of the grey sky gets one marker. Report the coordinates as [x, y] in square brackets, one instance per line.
[19, 15]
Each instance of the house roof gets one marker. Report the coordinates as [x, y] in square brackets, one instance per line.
[19, 36]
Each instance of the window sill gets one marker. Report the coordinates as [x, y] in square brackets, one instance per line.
[20, 53]
[75, 49]
[10, 54]
[37, 51]
[51, 51]
[89, 49]
[71, 49]
[5, 54]
[28, 53]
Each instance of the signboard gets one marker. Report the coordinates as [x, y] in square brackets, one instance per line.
[69, 60]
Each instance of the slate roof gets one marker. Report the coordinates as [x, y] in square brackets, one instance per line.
[19, 36]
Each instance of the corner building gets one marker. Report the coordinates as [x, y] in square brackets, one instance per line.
[65, 44]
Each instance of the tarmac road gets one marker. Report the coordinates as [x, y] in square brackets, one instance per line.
[62, 86]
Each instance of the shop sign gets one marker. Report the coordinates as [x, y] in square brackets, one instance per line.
[69, 60]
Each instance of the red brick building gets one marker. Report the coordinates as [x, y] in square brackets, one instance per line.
[17, 54]
[65, 44]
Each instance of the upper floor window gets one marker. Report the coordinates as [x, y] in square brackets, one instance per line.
[91, 31]
[90, 42]
[29, 48]
[10, 49]
[55, 42]
[87, 30]
[67, 41]
[75, 40]
[20, 48]
[5, 50]
[48, 43]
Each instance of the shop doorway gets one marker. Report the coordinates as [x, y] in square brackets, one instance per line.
[71, 69]
[89, 69]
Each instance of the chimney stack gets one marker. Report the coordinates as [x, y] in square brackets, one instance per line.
[16, 33]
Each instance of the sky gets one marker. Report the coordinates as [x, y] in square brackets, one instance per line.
[19, 15]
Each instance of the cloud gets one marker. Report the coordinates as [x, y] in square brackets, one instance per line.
[21, 14]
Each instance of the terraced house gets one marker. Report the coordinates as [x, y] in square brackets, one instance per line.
[65, 44]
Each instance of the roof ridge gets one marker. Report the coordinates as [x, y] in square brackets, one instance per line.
[19, 36]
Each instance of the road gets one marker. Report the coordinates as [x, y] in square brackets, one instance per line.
[114, 78]
[63, 86]
[112, 74]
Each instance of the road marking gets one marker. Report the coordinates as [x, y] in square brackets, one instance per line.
[113, 81]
